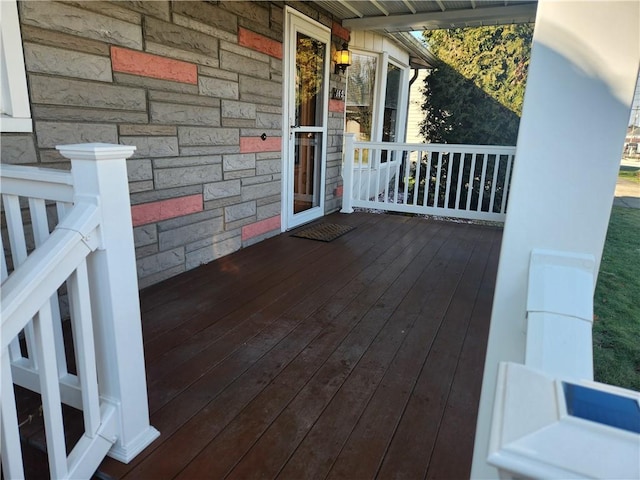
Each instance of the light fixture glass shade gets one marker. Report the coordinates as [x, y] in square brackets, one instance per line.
[342, 58]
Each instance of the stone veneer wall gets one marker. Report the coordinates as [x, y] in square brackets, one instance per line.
[193, 85]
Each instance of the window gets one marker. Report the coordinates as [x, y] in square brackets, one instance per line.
[361, 86]
[14, 97]
[376, 100]
[391, 122]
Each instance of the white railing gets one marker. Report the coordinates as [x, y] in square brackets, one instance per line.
[71, 232]
[461, 181]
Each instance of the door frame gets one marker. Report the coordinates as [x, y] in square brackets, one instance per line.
[296, 20]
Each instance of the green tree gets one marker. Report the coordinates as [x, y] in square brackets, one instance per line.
[475, 95]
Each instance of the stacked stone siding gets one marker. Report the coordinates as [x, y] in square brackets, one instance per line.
[194, 86]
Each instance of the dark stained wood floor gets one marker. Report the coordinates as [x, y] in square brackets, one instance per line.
[298, 359]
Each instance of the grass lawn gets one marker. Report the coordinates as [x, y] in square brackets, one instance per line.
[616, 329]
[630, 173]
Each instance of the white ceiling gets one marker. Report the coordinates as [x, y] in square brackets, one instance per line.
[408, 15]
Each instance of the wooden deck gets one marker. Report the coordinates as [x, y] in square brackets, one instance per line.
[297, 359]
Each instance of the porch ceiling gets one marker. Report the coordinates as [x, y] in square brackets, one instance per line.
[388, 16]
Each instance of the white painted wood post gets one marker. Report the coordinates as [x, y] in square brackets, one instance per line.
[347, 174]
[584, 66]
[99, 170]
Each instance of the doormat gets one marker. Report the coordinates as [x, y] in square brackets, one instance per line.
[323, 232]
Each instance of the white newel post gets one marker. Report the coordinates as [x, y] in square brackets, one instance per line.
[580, 84]
[347, 174]
[99, 170]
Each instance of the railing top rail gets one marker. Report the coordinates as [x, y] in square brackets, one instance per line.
[504, 149]
[44, 183]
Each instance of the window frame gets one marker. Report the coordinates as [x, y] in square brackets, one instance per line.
[377, 121]
[376, 92]
[15, 111]
[402, 109]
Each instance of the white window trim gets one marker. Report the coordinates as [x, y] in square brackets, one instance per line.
[15, 111]
[382, 61]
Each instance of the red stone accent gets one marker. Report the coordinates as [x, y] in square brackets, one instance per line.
[258, 228]
[148, 65]
[260, 43]
[341, 32]
[339, 191]
[336, 106]
[256, 144]
[164, 209]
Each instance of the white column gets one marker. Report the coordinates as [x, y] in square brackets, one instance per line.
[580, 86]
[347, 174]
[100, 170]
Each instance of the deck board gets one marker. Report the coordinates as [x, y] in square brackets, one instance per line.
[294, 359]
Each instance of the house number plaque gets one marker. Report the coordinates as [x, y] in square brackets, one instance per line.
[338, 94]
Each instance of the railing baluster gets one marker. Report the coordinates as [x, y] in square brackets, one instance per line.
[370, 161]
[378, 174]
[438, 171]
[50, 391]
[15, 229]
[507, 183]
[360, 173]
[407, 176]
[14, 348]
[472, 173]
[485, 161]
[463, 159]
[11, 451]
[452, 157]
[416, 184]
[18, 244]
[396, 183]
[63, 208]
[494, 182]
[388, 178]
[431, 156]
[79, 304]
[40, 225]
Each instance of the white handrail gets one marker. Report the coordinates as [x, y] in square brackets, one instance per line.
[462, 181]
[33, 182]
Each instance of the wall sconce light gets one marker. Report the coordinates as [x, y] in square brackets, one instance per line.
[342, 58]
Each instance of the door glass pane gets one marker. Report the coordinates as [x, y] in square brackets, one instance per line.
[306, 178]
[361, 84]
[309, 80]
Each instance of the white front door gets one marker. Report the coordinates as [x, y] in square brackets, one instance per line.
[306, 91]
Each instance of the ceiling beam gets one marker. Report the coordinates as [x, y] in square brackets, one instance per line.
[352, 9]
[519, 13]
[411, 8]
[380, 7]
